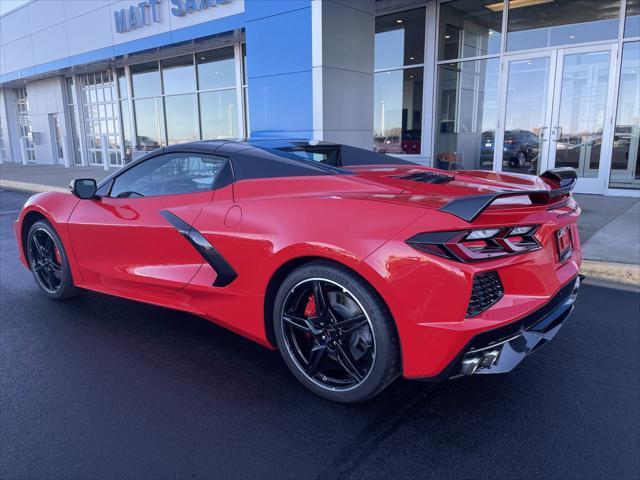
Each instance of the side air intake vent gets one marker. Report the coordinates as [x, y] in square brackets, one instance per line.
[486, 290]
[426, 177]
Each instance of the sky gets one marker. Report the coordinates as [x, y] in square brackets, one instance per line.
[6, 5]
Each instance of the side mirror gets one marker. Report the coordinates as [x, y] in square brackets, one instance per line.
[84, 188]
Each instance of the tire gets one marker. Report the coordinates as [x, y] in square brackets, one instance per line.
[347, 353]
[522, 159]
[45, 254]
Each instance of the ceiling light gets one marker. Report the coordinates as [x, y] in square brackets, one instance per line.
[398, 21]
[447, 36]
[499, 6]
[412, 58]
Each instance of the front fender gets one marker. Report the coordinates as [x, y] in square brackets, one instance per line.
[56, 208]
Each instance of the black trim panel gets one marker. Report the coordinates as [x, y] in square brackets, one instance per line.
[468, 208]
[225, 274]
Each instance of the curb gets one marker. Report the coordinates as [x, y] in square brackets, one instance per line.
[30, 187]
[613, 272]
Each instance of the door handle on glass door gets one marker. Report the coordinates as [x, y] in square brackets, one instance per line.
[542, 139]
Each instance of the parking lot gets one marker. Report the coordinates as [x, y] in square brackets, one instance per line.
[100, 387]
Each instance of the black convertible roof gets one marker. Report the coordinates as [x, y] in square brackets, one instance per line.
[276, 157]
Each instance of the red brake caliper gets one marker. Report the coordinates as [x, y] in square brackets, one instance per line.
[58, 256]
[310, 311]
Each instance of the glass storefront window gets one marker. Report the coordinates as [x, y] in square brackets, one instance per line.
[101, 118]
[549, 23]
[466, 114]
[625, 160]
[182, 118]
[122, 84]
[178, 75]
[219, 114]
[525, 115]
[583, 97]
[632, 19]
[146, 80]
[469, 28]
[149, 115]
[126, 131]
[399, 39]
[24, 125]
[216, 69]
[397, 111]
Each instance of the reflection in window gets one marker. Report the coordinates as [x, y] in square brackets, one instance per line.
[525, 115]
[219, 114]
[560, 22]
[122, 83]
[146, 79]
[397, 111]
[632, 19]
[400, 39]
[126, 131]
[182, 125]
[178, 75]
[149, 123]
[468, 29]
[581, 117]
[216, 69]
[625, 161]
[467, 113]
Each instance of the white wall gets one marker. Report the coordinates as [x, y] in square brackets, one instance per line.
[45, 97]
[45, 30]
[343, 34]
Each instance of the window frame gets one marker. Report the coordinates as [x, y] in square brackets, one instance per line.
[108, 183]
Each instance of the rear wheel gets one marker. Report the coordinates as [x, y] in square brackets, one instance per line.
[48, 262]
[335, 333]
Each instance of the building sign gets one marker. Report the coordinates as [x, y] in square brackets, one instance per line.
[142, 14]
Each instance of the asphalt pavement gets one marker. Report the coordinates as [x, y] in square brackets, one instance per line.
[102, 388]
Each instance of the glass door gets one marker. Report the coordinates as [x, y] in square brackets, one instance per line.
[526, 113]
[554, 108]
[582, 109]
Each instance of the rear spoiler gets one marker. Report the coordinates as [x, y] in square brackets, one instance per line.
[468, 208]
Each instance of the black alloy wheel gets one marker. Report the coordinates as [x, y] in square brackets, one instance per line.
[48, 261]
[335, 334]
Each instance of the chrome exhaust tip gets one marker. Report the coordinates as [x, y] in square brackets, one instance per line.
[470, 365]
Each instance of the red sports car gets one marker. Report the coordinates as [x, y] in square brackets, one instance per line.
[357, 266]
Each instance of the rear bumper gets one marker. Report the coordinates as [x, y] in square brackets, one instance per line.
[501, 349]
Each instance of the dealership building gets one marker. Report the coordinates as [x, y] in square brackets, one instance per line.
[517, 86]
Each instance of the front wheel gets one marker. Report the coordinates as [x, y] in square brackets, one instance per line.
[335, 333]
[48, 262]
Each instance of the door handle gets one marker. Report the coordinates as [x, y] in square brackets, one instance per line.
[542, 138]
[558, 132]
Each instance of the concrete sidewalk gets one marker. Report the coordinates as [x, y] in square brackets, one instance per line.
[609, 226]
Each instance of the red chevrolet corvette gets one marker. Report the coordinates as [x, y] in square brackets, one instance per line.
[357, 266]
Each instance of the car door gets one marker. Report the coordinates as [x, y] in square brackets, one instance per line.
[128, 241]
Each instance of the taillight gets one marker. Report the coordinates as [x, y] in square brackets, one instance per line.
[478, 244]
